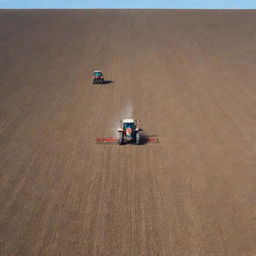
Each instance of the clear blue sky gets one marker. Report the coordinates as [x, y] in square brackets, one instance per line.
[176, 4]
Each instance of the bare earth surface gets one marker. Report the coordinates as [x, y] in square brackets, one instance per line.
[190, 77]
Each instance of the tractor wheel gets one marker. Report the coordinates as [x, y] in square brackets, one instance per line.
[137, 138]
[121, 138]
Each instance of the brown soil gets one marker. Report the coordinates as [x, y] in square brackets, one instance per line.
[188, 75]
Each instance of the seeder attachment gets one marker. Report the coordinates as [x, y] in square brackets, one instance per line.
[112, 140]
[106, 140]
[151, 139]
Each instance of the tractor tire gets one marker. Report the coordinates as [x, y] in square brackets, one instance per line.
[121, 138]
[137, 138]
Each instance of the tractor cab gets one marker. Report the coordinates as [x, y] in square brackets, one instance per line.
[97, 74]
[129, 123]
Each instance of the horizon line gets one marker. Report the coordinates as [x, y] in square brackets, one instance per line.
[106, 8]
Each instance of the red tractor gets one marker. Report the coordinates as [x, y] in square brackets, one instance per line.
[129, 132]
[98, 77]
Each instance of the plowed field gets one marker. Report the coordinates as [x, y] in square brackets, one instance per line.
[188, 75]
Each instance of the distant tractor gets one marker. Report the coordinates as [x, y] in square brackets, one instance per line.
[98, 77]
[129, 132]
